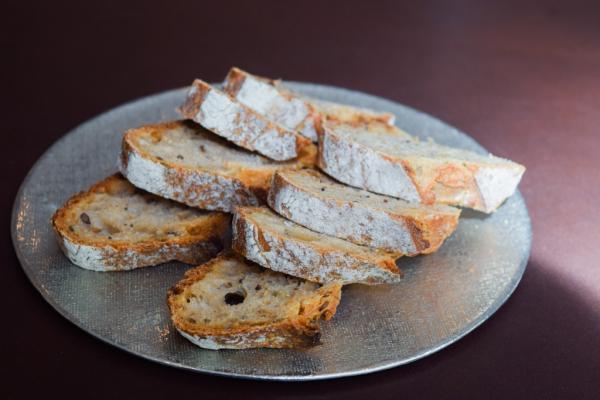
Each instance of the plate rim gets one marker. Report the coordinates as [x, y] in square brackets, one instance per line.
[487, 314]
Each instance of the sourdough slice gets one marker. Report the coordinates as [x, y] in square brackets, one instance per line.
[281, 245]
[231, 303]
[115, 227]
[272, 99]
[184, 162]
[269, 98]
[385, 160]
[311, 199]
[222, 114]
[343, 113]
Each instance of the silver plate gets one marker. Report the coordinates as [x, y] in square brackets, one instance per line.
[443, 297]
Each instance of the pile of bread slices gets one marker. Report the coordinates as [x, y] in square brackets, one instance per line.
[284, 199]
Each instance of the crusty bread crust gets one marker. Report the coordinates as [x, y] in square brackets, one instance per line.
[308, 260]
[301, 331]
[272, 99]
[225, 116]
[110, 255]
[269, 98]
[410, 231]
[205, 188]
[482, 187]
[343, 113]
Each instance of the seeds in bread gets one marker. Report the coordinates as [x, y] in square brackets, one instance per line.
[184, 162]
[222, 114]
[315, 201]
[281, 245]
[385, 160]
[232, 303]
[115, 227]
[273, 100]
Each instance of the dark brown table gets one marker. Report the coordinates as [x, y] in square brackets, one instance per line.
[523, 79]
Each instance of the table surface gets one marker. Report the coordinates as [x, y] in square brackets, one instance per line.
[523, 79]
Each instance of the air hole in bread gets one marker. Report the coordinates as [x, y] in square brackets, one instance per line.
[85, 218]
[237, 297]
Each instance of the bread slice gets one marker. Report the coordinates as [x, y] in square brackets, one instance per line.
[231, 303]
[343, 113]
[281, 245]
[115, 227]
[184, 162]
[311, 199]
[222, 114]
[385, 160]
[272, 99]
[269, 98]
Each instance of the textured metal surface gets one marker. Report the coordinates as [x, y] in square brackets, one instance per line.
[443, 296]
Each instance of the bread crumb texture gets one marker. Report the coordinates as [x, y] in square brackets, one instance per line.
[230, 302]
[115, 225]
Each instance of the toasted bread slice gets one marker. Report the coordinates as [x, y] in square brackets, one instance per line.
[272, 99]
[267, 97]
[385, 160]
[184, 162]
[344, 113]
[313, 200]
[281, 245]
[224, 115]
[115, 227]
[231, 303]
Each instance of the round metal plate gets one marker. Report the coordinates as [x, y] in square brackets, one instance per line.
[442, 298]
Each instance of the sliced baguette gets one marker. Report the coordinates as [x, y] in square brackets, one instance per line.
[231, 303]
[343, 113]
[281, 245]
[269, 98]
[311, 199]
[272, 99]
[222, 114]
[116, 227]
[385, 160]
[184, 162]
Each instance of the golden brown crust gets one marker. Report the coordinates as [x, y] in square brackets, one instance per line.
[193, 104]
[385, 260]
[444, 182]
[234, 81]
[435, 178]
[299, 332]
[238, 244]
[214, 227]
[254, 180]
[428, 230]
[236, 78]
[206, 237]
[437, 184]
[356, 120]
[243, 221]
